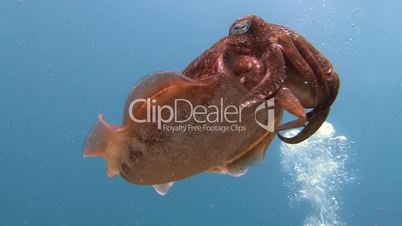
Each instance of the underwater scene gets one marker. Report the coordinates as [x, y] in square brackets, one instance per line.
[227, 113]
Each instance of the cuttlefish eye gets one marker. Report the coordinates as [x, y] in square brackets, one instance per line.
[239, 28]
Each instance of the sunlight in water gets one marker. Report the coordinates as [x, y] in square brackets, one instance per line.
[317, 169]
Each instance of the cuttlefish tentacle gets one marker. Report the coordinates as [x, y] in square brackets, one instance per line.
[326, 92]
[289, 102]
[292, 54]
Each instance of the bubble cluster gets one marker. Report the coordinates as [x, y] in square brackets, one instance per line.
[317, 170]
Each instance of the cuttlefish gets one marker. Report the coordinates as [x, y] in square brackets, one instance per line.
[218, 115]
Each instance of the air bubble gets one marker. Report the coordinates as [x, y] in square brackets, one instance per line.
[317, 170]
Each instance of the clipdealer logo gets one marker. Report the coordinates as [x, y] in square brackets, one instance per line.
[269, 107]
[200, 114]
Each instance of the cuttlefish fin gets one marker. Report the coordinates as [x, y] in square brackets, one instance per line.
[163, 189]
[239, 166]
[99, 140]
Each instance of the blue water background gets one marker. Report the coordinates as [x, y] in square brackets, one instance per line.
[64, 62]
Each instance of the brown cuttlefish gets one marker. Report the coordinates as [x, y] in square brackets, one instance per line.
[218, 115]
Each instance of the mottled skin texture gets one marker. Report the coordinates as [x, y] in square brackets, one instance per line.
[273, 61]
